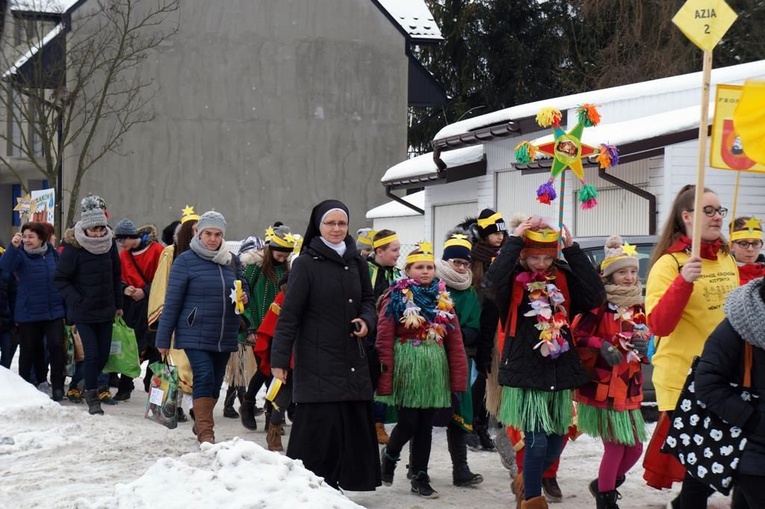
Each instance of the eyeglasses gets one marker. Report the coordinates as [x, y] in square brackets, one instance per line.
[757, 244]
[120, 240]
[710, 211]
[460, 263]
[97, 229]
[335, 224]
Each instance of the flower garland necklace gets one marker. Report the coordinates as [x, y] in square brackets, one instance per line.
[635, 319]
[427, 308]
[546, 302]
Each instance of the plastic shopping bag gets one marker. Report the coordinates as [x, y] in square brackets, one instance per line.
[123, 356]
[162, 405]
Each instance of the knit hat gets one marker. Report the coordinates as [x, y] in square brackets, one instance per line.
[490, 222]
[457, 246]
[746, 228]
[280, 238]
[540, 241]
[212, 219]
[423, 253]
[125, 229]
[618, 256]
[188, 214]
[364, 238]
[93, 212]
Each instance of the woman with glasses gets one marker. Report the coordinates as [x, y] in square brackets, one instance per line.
[746, 247]
[328, 311]
[88, 277]
[684, 304]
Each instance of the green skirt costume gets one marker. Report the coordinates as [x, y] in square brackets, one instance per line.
[420, 376]
[531, 410]
[626, 427]
[463, 413]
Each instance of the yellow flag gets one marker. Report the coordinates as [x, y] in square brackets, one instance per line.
[749, 120]
[705, 22]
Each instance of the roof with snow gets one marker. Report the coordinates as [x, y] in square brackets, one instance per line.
[414, 19]
[43, 6]
[423, 168]
[33, 50]
[733, 74]
[396, 209]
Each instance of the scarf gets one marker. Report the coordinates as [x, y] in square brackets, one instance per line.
[744, 310]
[708, 250]
[338, 248]
[222, 256]
[625, 296]
[93, 245]
[427, 310]
[451, 277]
[484, 253]
[37, 251]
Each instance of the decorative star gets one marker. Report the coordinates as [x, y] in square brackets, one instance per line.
[751, 224]
[269, 233]
[459, 236]
[629, 249]
[23, 203]
[571, 158]
[426, 247]
[188, 210]
[290, 238]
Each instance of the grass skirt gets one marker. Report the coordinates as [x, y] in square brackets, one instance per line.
[531, 410]
[420, 376]
[626, 428]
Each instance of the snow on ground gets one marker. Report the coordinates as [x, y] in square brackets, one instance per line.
[57, 456]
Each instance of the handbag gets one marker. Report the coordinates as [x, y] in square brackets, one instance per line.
[123, 354]
[707, 446]
[162, 404]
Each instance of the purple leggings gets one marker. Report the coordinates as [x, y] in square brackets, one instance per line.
[616, 462]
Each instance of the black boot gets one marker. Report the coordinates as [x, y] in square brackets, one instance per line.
[124, 388]
[461, 474]
[487, 444]
[421, 486]
[387, 466]
[247, 412]
[228, 404]
[94, 404]
[607, 499]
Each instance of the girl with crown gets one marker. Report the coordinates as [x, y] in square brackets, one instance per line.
[746, 248]
[536, 294]
[423, 361]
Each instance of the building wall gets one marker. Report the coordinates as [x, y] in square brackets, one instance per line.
[410, 231]
[460, 201]
[265, 109]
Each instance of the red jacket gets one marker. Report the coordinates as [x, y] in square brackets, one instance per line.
[750, 271]
[147, 262]
[389, 331]
[265, 334]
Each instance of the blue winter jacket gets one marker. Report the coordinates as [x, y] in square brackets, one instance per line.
[198, 307]
[37, 299]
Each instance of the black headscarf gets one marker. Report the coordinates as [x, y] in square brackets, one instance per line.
[314, 224]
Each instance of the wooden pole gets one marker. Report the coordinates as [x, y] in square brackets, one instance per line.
[735, 200]
[703, 131]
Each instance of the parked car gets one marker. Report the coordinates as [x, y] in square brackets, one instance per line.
[593, 248]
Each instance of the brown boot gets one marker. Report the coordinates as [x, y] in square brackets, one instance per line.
[274, 437]
[382, 435]
[517, 488]
[535, 503]
[203, 419]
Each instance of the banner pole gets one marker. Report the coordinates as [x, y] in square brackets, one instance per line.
[703, 132]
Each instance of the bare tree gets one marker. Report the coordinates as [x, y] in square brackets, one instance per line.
[74, 86]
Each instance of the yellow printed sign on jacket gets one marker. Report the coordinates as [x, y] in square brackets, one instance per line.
[728, 151]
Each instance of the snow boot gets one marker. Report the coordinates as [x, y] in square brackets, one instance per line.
[539, 502]
[551, 489]
[387, 466]
[461, 474]
[274, 437]
[94, 404]
[421, 486]
[57, 394]
[607, 499]
[382, 435]
[594, 485]
[487, 444]
[105, 395]
[506, 452]
[203, 423]
[247, 413]
[74, 395]
[228, 404]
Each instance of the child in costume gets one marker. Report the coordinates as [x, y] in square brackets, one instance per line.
[536, 294]
[612, 342]
[746, 247]
[423, 361]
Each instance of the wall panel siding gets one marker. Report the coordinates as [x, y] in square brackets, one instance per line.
[446, 217]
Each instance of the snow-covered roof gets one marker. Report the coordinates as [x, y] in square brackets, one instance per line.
[43, 6]
[32, 51]
[736, 73]
[414, 17]
[396, 209]
[424, 165]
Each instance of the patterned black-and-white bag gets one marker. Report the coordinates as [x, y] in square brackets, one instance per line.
[707, 446]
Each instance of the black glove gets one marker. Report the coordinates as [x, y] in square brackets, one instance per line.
[640, 345]
[610, 353]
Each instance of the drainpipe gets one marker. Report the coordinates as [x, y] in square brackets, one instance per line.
[635, 190]
[400, 200]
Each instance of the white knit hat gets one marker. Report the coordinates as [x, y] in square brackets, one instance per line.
[616, 258]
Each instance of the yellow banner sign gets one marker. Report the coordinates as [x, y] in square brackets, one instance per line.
[705, 22]
[749, 119]
[727, 151]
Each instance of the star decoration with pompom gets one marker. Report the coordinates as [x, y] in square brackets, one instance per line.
[629, 249]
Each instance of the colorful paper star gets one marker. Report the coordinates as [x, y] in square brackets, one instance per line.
[567, 151]
[629, 249]
[23, 203]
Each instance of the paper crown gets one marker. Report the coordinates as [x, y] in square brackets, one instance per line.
[364, 237]
[280, 238]
[542, 241]
[384, 241]
[423, 253]
[543, 235]
[188, 214]
[458, 240]
[752, 229]
[567, 151]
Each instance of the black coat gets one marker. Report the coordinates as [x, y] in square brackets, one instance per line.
[89, 283]
[721, 364]
[521, 365]
[325, 292]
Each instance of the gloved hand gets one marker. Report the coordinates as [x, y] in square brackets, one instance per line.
[641, 346]
[610, 353]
